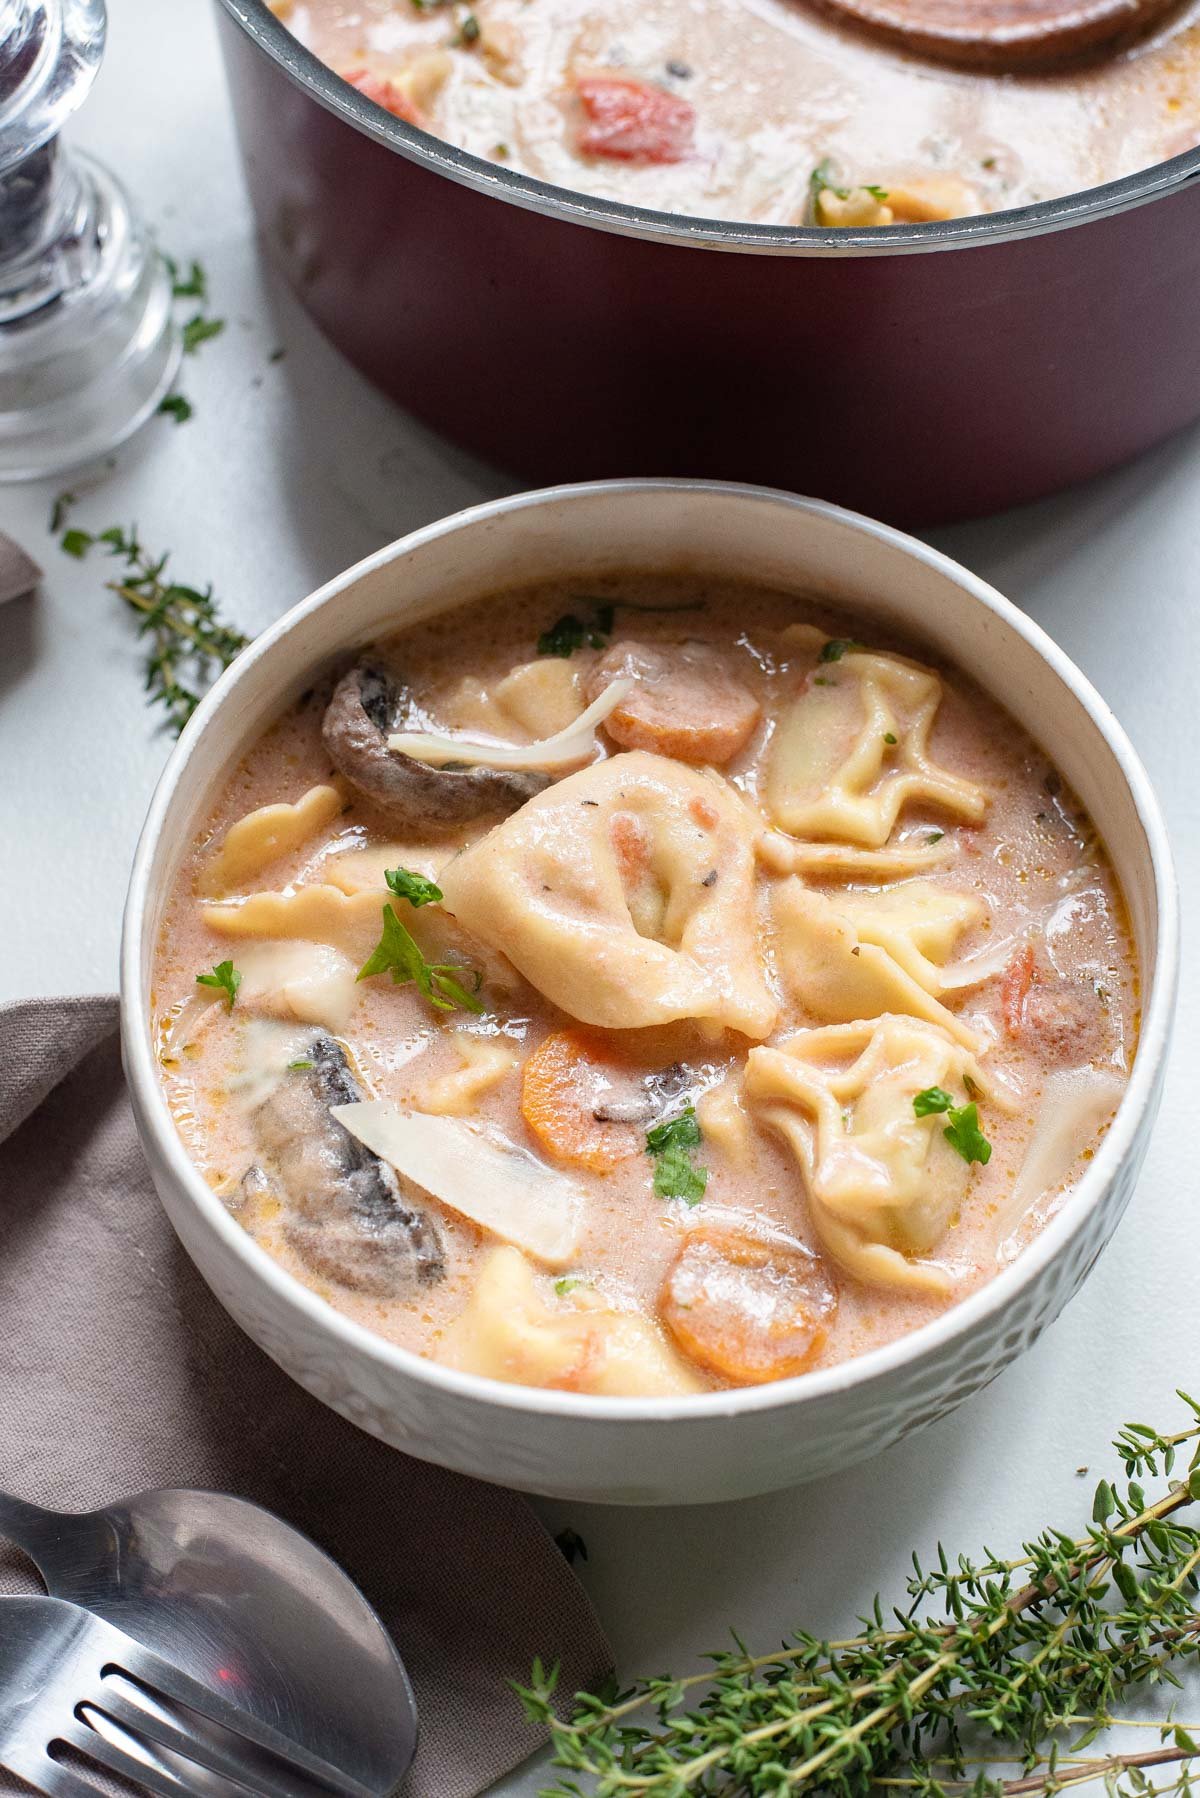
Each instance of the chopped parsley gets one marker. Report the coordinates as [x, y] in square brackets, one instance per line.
[567, 1284]
[836, 648]
[468, 32]
[570, 632]
[890, 737]
[397, 954]
[672, 1145]
[413, 887]
[177, 407]
[822, 181]
[962, 1130]
[225, 978]
[935, 836]
[933, 1099]
[301, 1062]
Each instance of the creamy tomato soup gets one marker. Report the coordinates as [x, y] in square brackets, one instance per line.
[760, 111]
[644, 988]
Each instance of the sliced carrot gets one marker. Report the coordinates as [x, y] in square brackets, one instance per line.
[748, 1307]
[563, 1083]
[1015, 983]
[685, 703]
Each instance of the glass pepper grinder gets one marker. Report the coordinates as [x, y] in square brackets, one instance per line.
[87, 346]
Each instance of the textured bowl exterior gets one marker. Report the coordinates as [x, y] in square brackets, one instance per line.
[958, 372]
[721, 1445]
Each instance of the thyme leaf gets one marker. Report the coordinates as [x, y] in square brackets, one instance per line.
[991, 1663]
[187, 642]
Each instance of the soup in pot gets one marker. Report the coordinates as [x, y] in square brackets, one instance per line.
[644, 988]
[761, 112]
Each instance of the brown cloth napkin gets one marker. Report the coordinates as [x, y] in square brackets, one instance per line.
[19, 573]
[120, 1372]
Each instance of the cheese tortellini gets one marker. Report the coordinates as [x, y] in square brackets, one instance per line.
[860, 954]
[852, 749]
[264, 835]
[626, 894]
[882, 1183]
[539, 698]
[576, 1343]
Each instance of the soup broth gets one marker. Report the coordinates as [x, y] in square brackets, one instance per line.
[761, 111]
[644, 988]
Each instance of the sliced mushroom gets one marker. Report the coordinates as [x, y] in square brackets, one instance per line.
[359, 717]
[346, 1213]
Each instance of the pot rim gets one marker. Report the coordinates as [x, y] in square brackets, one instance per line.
[260, 24]
[1120, 1142]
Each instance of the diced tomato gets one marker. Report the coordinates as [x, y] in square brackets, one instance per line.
[1015, 983]
[633, 121]
[385, 93]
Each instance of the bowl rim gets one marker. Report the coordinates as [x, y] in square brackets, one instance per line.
[1119, 1143]
[260, 24]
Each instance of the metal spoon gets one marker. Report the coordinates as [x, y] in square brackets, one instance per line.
[246, 1605]
[1002, 34]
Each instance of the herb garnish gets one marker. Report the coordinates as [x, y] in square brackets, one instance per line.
[821, 181]
[890, 737]
[672, 1143]
[935, 836]
[225, 978]
[184, 630]
[989, 1682]
[962, 1130]
[192, 286]
[413, 887]
[570, 632]
[177, 407]
[567, 1284]
[302, 1061]
[468, 32]
[200, 330]
[398, 955]
[836, 648]
[58, 511]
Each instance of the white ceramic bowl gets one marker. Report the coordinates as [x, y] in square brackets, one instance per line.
[722, 1444]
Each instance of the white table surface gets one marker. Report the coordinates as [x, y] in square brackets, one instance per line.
[290, 471]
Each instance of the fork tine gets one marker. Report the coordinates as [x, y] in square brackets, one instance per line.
[157, 1676]
[197, 1778]
[87, 1741]
[208, 1744]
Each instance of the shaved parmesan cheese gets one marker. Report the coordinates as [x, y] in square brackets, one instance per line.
[477, 1172]
[565, 749]
[1075, 1104]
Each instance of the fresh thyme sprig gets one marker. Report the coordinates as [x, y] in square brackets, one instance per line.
[188, 644]
[1022, 1660]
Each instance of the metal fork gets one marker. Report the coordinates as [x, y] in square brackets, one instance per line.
[71, 1681]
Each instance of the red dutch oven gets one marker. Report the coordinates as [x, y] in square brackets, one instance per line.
[922, 373]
